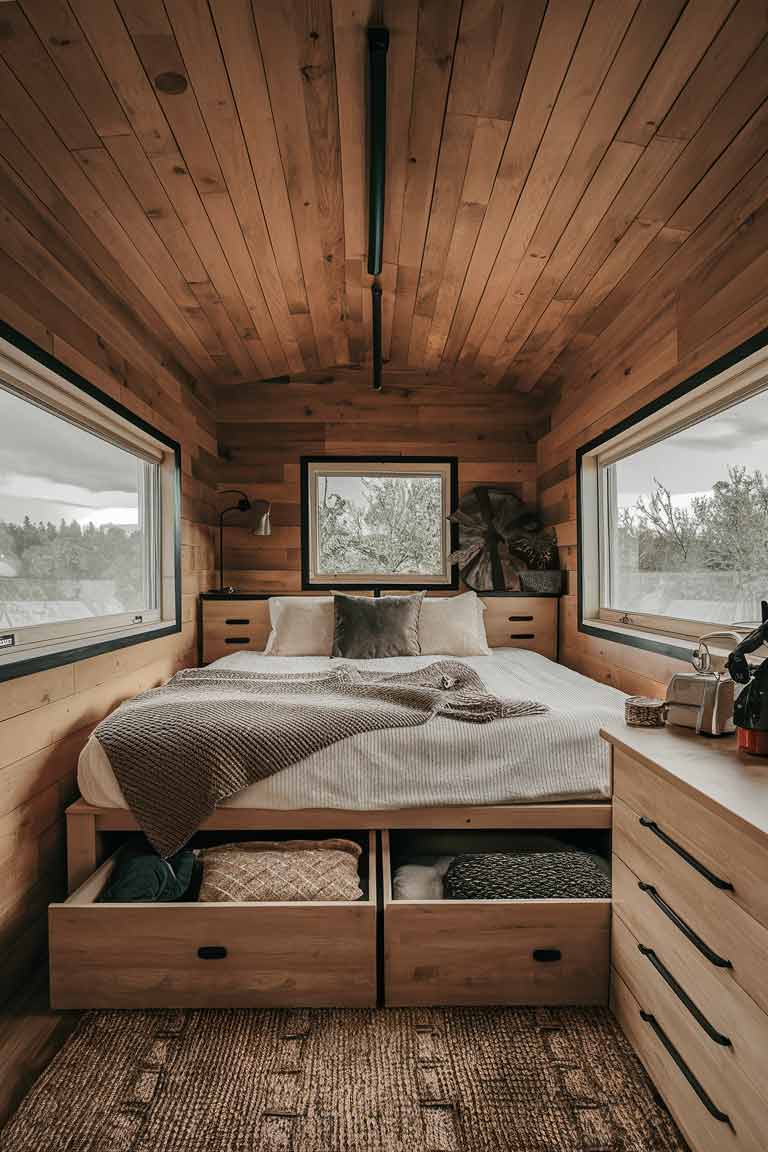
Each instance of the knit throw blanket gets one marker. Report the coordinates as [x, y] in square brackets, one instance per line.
[210, 732]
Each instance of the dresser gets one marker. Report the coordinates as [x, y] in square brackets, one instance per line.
[689, 932]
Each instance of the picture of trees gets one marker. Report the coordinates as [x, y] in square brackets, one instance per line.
[380, 524]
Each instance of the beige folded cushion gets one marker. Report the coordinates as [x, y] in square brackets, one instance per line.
[281, 870]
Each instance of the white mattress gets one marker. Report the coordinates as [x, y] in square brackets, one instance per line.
[555, 756]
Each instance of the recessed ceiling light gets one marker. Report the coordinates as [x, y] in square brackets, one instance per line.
[171, 83]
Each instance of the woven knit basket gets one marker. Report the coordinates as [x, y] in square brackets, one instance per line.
[645, 712]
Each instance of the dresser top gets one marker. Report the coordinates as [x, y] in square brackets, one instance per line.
[733, 783]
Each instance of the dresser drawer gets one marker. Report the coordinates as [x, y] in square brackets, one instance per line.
[705, 1050]
[731, 937]
[724, 1003]
[719, 851]
[213, 955]
[704, 1132]
[492, 951]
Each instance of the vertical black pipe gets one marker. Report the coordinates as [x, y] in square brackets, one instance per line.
[378, 43]
[376, 341]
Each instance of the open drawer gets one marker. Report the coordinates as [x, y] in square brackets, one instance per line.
[489, 951]
[211, 955]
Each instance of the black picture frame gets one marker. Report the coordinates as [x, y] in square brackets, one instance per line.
[384, 583]
[46, 660]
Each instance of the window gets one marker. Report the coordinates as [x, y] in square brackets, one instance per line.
[674, 510]
[383, 522]
[88, 518]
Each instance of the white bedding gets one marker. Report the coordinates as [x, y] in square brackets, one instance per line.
[555, 756]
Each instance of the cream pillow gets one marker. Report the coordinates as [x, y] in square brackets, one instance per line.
[453, 626]
[301, 626]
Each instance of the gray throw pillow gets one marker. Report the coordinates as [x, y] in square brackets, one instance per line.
[370, 629]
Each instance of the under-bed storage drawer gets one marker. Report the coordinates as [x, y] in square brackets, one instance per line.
[489, 951]
[211, 955]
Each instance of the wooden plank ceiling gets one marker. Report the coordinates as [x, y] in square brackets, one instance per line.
[202, 165]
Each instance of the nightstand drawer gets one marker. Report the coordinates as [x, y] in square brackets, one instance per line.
[233, 625]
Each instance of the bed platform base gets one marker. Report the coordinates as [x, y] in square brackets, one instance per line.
[86, 823]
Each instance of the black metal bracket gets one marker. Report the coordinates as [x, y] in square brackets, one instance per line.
[683, 996]
[680, 924]
[717, 881]
[376, 336]
[378, 44]
[698, 1088]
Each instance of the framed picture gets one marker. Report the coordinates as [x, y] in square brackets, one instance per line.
[378, 521]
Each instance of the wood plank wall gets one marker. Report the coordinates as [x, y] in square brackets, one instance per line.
[264, 429]
[672, 315]
[46, 718]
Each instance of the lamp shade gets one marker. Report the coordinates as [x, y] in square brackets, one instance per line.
[258, 518]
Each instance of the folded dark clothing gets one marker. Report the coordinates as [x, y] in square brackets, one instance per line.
[148, 878]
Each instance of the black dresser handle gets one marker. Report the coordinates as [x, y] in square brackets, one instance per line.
[652, 826]
[212, 952]
[519, 619]
[547, 955]
[683, 996]
[522, 635]
[237, 639]
[687, 931]
[237, 620]
[706, 1100]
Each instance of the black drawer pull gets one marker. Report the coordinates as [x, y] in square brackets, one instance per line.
[235, 620]
[652, 826]
[681, 1064]
[212, 952]
[687, 931]
[518, 619]
[237, 639]
[547, 955]
[522, 635]
[683, 996]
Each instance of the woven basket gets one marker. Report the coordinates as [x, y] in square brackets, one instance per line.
[645, 712]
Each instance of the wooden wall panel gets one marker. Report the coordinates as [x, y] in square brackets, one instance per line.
[669, 317]
[46, 718]
[263, 431]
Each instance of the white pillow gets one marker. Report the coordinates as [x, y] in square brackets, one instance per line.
[301, 626]
[453, 626]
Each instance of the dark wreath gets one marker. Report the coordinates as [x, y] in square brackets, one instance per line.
[500, 537]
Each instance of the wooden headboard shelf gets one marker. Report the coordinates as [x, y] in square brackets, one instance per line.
[234, 623]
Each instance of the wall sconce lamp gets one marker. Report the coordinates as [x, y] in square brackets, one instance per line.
[256, 515]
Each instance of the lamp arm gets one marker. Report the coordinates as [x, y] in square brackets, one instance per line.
[222, 514]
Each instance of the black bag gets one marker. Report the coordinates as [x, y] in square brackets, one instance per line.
[567, 875]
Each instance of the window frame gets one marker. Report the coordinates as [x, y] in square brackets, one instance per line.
[733, 377]
[42, 379]
[390, 465]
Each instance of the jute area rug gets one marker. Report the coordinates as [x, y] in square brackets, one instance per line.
[397, 1080]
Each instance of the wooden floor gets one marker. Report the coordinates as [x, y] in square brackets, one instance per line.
[30, 1036]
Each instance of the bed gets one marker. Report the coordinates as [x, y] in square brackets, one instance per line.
[442, 787]
[550, 771]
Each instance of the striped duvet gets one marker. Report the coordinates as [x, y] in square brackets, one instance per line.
[559, 756]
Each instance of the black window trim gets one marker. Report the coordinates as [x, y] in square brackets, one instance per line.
[373, 585]
[679, 649]
[47, 660]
